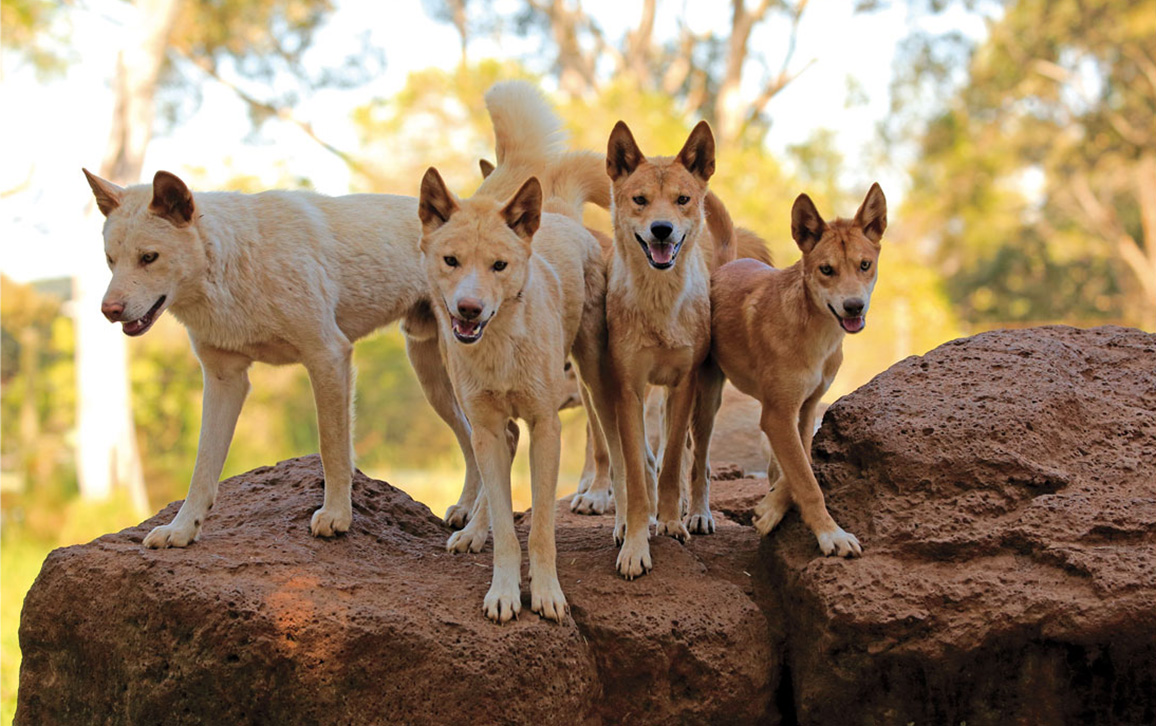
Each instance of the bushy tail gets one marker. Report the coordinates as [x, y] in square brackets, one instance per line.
[573, 180]
[528, 136]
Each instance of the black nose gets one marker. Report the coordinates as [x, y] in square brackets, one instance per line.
[661, 230]
[470, 308]
[853, 307]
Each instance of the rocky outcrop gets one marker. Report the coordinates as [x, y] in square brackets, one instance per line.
[1004, 487]
[260, 623]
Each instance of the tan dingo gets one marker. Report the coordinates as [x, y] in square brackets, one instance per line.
[778, 336]
[517, 285]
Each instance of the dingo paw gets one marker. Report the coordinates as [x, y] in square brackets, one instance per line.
[457, 516]
[771, 510]
[634, 557]
[470, 539]
[839, 543]
[702, 523]
[329, 522]
[546, 598]
[503, 602]
[592, 502]
[171, 535]
[673, 528]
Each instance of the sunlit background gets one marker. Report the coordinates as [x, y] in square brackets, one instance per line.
[1014, 141]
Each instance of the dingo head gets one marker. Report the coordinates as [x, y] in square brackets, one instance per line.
[658, 202]
[839, 259]
[151, 245]
[476, 252]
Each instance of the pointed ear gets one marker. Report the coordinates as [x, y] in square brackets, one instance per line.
[807, 227]
[872, 214]
[524, 211]
[486, 167]
[622, 153]
[435, 203]
[697, 154]
[171, 199]
[108, 195]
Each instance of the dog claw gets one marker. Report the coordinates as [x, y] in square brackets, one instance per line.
[547, 600]
[467, 540]
[592, 502]
[634, 558]
[327, 523]
[673, 528]
[457, 516]
[171, 535]
[502, 603]
[700, 523]
[839, 543]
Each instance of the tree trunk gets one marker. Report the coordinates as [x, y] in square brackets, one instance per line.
[107, 455]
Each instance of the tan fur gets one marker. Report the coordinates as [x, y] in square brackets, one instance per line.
[778, 336]
[516, 290]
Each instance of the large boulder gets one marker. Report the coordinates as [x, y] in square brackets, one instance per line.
[1004, 487]
[258, 622]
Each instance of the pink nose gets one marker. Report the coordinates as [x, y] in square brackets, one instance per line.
[112, 310]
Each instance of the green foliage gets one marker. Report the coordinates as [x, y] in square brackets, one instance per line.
[27, 27]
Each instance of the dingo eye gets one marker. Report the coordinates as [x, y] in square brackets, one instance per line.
[683, 200]
[450, 261]
[865, 265]
[640, 200]
[499, 265]
[148, 258]
[827, 270]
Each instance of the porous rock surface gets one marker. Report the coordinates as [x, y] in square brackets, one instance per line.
[1004, 487]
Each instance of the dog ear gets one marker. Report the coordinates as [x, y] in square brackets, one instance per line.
[171, 199]
[108, 195]
[435, 203]
[697, 153]
[622, 153]
[807, 227]
[872, 214]
[523, 213]
[486, 166]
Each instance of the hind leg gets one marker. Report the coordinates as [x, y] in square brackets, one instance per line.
[594, 491]
[708, 398]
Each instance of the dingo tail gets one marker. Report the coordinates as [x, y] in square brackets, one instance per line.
[575, 179]
[528, 136]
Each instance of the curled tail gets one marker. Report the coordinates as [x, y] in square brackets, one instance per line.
[573, 180]
[528, 136]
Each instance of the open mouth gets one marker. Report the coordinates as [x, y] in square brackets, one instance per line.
[660, 254]
[467, 331]
[144, 322]
[852, 324]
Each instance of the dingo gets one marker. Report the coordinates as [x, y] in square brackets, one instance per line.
[778, 336]
[278, 277]
[658, 319]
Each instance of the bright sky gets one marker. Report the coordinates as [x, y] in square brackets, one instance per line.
[49, 130]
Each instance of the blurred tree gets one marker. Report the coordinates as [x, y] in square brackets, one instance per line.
[1036, 182]
[27, 27]
[704, 71]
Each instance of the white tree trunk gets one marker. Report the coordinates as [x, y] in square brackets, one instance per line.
[107, 455]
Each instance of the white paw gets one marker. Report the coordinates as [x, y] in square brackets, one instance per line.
[546, 598]
[171, 535]
[457, 516]
[673, 528]
[329, 522]
[702, 523]
[634, 557]
[839, 543]
[470, 539]
[503, 602]
[592, 502]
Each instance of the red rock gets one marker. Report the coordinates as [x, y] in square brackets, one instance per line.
[1004, 487]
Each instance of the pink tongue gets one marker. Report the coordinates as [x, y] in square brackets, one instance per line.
[132, 327]
[465, 328]
[853, 325]
[661, 253]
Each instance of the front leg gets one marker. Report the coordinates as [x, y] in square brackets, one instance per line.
[226, 385]
[331, 373]
[634, 557]
[708, 398]
[680, 401]
[503, 602]
[546, 596]
[421, 346]
[781, 427]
